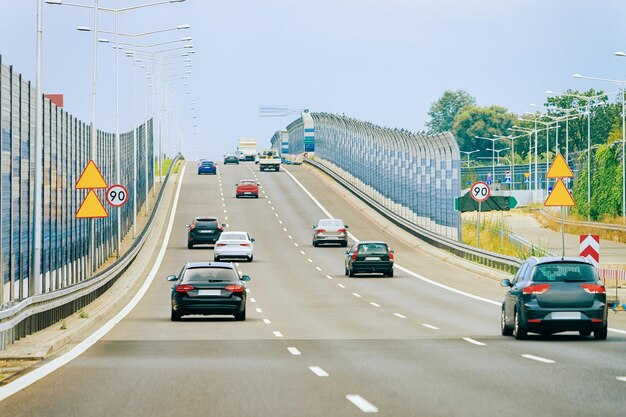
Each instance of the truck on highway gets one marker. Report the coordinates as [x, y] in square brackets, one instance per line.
[269, 160]
[246, 149]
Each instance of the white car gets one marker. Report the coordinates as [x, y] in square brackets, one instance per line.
[234, 245]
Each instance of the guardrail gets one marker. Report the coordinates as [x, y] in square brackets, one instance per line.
[587, 225]
[40, 311]
[494, 260]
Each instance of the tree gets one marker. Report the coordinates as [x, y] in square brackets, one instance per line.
[486, 122]
[443, 111]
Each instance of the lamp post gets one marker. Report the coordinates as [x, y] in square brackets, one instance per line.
[512, 139]
[493, 155]
[468, 155]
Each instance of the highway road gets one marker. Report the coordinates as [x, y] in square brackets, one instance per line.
[317, 343]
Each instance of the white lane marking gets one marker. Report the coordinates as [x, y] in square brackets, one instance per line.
[284, 229]
[341, 286]
[537, 358]
[267, 321]
[318, 371]
[276, 214]
[280, 222]
[227, 225]
[620, 331]
[295, 244]
[399, 315]
[362, 403]
[259, 310]
[621, 378]
[474, 342]
[302, 252]
[294, 351]
[310, 260]
[329, 277]
[277, 334]
[375, 305]
[222, 199]
[226, 218]
[252, 300]
[268, 201]
[248, 290]
[272, 208]
[224, 211]
[290, 237]
[46, 369]
[430, 326]
[357, 295]
[223, 204]
[318, 268]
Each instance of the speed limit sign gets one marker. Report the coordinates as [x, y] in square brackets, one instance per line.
[117, 195]
[480, 191]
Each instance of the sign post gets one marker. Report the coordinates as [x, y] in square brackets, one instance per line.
[480, 192]
[559, 195]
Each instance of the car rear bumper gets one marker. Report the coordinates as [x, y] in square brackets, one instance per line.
[247, 194]
[231, 253]
[363, 267]
[330, 239]
[209, 306]
[540, 320]
[203, 239]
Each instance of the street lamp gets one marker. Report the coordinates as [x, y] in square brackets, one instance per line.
[623, 84]
[468, 155]
[512, 139]
[493, 156]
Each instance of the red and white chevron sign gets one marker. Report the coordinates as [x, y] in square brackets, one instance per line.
[590, 248]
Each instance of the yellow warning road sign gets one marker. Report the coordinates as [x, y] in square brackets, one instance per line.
[91, 178]
[559, 168]
[559, 196]
[91, 208]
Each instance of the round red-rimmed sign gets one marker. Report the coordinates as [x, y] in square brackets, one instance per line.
[480, 191]
[117, 195]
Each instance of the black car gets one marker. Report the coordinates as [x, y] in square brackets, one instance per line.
[369, 257]
[209, 288]
[550, 295]
[204, 230]
[231, 159]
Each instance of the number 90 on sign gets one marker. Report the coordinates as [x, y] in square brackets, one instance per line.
[117, 195]
[480, 191]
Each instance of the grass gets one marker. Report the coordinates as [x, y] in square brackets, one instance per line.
[165, 166]
[83, 314]
[612, 235]
[63, 325]
[491, 238]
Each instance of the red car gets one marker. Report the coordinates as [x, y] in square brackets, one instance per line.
[247, 188]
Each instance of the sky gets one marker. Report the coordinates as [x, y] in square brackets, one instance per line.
[382, 61]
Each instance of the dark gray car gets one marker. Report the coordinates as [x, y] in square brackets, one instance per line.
[550, 295]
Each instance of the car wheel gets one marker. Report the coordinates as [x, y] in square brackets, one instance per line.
[344, 244]
[601, 333]
[256, 196]
[519, 331]
[345, 271]
[584, 333]
[250, 258]
[390, 273]
[189, 245]
[176, 316]
[506, 330]
[351, 272]
[216, 259]
[315, 243]
[236, 196]
[241, 316]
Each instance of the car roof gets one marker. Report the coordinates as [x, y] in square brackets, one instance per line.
[371, 241]
[228, 265]
[560, 259]
[206, 218]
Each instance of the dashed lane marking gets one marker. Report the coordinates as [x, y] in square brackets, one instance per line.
[329, 277]
[294, 351]
[375, 304]
[399, 315]
[357, 295]
[341, 286]
[310, 260]
[474, 342]
[252, 300]
[277, 333]
[430, 326]
[259, 310]
[537, 358]
[267, 321]
[318, 371]
[362, 403]
[318, 268]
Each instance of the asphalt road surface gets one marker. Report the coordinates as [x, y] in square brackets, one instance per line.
[317, 343]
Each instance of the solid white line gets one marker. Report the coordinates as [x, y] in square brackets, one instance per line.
[294, 351]
[329, 277]
[621, 378]
[310, 260]
[362, 403]
[475, 342]
[318, 371]
[430, 326]
[278, 334]
[46, 369]
[258, 310]
[341, 286]
[375, 305]
[357, 295]
[399, 315]
[310, 195]
[252, 300]
[267, 321]
[318, 268]
[537, 358]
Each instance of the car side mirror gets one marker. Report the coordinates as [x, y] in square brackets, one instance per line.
[506, 282]
[252, 239]
[346, 226]
[245, 278]
[187, 225]
[223, 224]
[172, 278]
[313, 227]
[393, 251]
[347, 252]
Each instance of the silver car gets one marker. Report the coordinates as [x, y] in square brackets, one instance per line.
[234, 245]
[330, 231]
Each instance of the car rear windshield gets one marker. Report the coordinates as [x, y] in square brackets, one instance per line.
[247, 182]
[206, 223]
[206, 275]
[207, 164]
[331, 223]
[564, 272]
[373, 248]
[233, 236]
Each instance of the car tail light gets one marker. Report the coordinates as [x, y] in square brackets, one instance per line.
[342, 230]
[597, 320]
[234, 288]
[321, 231]
[594, 288]
[390, 255]
[354, 253]
[537, 289]
[534, 320]
[220, 244]
[184, 288]
[244, 244]
[191, 227]
[219, 226]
